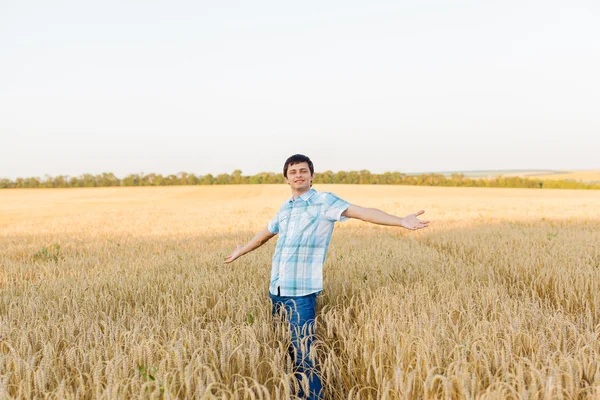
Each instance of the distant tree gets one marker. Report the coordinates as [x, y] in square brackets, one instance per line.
[149, 180]
[339, 177]
[223, 179]
[32, 182]
[352, 178]
[60, 181]
[73, 182]
[182, 178]
[276, 178]
[207, 179]
[457, 179]
[171, 180]
[107, 179]
[236, 177]
[365, 177]
[132, 180]
[324, 177]
[192, 180]
[260, 178]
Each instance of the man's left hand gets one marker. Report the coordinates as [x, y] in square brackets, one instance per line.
[412, 222]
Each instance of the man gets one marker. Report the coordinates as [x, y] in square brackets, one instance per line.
[305, 224]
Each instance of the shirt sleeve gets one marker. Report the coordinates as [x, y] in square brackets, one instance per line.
[273, 226]
[335, 207]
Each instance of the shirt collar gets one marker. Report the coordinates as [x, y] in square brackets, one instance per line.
[304, 196]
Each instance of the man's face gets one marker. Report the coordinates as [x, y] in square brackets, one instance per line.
[299, 177]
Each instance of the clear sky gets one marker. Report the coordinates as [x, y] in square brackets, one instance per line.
[209, 87]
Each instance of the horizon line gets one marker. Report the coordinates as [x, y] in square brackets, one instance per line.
[553, 171]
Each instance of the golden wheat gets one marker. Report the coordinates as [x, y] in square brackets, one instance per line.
[122, 293]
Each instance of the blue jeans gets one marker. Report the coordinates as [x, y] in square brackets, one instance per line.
[301, 316]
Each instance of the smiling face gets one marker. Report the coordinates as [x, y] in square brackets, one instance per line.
[299, 177]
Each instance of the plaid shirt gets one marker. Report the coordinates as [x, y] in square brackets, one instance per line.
[305, 226]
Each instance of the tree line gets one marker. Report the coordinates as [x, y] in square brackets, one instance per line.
[364, 177]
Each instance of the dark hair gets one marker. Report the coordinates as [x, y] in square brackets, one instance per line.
[297, 159]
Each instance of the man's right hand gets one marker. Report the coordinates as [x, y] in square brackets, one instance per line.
[258, 240]
[236, 253]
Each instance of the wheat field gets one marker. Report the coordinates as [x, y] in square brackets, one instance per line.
[122, 293]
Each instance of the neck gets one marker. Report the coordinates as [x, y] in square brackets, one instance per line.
[297, 193]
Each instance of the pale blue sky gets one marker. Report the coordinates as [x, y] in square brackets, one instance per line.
[209, 87]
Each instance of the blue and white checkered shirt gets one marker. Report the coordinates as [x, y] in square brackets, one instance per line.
[305, 226]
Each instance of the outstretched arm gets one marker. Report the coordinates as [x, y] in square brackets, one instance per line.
[258, 240]
[379, 217]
